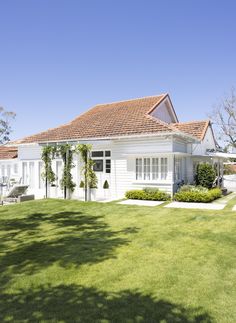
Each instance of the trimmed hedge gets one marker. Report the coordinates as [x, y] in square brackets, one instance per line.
[198, 196]
[193, 188]
[147, 194]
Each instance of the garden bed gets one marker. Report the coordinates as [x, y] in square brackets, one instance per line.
[153, 194]
[197, 194]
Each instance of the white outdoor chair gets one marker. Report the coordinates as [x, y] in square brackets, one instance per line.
[17, 194]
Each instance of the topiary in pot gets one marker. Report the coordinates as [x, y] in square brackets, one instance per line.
[106, 185]
[81, 185]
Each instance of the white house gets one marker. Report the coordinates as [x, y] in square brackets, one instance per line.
[136, 143]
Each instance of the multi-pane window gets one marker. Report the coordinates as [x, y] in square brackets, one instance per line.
[139, 168]
[98, 165]
[164, 168]
[25, 173]
[178, 169]
[58, 172]
[102, 161]
[155, 168]
[3, 170]
[107, 153]
[97, 153]
[31, 174]
[151, 169]
[8, 171]
[15, 168]
[147, 169]
[108, 165]
[40, 172]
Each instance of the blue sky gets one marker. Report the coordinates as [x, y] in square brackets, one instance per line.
[60, 57]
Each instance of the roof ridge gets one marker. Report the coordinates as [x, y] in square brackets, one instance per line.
[134, 99]
[18, 141]
[194, 121]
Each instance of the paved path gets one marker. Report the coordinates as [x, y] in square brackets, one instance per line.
[202, 206]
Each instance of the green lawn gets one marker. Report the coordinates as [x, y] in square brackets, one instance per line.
[69, 261]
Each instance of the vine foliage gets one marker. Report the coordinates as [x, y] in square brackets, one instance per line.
[90, 178]
[48, 175]
[66, 182]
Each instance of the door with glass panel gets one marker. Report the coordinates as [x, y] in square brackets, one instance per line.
[31, 175]
[59, 169]
[25, 173]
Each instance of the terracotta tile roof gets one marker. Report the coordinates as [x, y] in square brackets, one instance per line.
[121, 118]
[8, 152]
[193, 128]
[107, 120]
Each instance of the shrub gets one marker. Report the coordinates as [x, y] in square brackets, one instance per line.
[105, 185]
[147, 194]
[205, 175]
[193, 188]
[198, 196]
[151, 189]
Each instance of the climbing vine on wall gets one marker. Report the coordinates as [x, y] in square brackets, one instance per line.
[66, 153]
[90, 178]
[48, 175]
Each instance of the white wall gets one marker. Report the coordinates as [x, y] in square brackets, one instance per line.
[163, 113]
[29, 152]
[123, 155]
[207, 143]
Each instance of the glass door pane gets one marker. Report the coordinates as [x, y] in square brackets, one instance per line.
[31, 175]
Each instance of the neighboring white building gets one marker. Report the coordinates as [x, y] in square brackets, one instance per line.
[136, 143]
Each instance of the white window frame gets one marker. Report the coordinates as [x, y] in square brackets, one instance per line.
[104, 158]
[151, 169]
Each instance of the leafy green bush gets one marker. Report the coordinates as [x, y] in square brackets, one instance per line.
[198, 196]
[147, 194]
[193, 188]
[205, 175]
[151, 189]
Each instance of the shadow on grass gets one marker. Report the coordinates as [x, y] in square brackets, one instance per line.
[79, 304]
[68, 238]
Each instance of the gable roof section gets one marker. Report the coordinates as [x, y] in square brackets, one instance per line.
[108, 120]
[8, 152]
[123, 118]
[194, 128]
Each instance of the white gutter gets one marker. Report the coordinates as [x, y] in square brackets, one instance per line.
[217, 155]
[163, 134]
[158, 154]
[222, 155]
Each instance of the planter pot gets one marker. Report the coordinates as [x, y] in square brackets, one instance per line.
[92, 194]
[52, 192]
[81, 193]
[106, 193]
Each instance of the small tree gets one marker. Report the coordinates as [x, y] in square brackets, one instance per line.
[205, 175]
[90, 178]
[5, 128]
[223, 118]
[48, 175]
